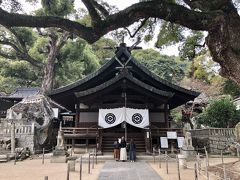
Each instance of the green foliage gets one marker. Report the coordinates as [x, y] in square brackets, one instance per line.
[75, 60]
[167, 67]
[188, 50]
[56, 7]
[169, 34]
[231, 88]
[177, 115]
[39, 48]
[100, 52]
[204, 69]
[220, 114]
[15, 74]
[27, 35]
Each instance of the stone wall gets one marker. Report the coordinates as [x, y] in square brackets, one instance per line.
[25, 140]
[215, 139]
[24, 135]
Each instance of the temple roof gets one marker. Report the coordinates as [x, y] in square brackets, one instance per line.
[21, 93]
[110, 79]
[116, 80]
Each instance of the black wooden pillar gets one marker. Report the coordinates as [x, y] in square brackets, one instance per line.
[166, 115]
[77, 116]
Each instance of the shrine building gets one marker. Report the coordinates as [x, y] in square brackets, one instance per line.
[122, 98]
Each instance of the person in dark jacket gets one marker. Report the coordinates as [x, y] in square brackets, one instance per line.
[116, 151]
[132, 151]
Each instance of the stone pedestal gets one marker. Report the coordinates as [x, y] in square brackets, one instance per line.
[187, 149]
[59, 155]
[182, 161]
[72, 163]
[188, 152]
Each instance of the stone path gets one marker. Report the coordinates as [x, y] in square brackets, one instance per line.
[113, 170]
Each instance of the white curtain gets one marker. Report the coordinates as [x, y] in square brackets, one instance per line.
[111, 117]
[137, 117]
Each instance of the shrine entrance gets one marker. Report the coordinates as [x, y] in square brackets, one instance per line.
[109, 135]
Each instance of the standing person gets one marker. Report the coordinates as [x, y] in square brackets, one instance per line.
[123, 151]
[116, 151]
[132, 151]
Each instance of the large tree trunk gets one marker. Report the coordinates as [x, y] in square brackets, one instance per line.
[224, 45]
[48, 76]
[49, 68]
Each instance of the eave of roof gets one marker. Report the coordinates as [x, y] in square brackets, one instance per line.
[118, 78]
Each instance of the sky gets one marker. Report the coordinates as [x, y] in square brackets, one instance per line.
[121, 4]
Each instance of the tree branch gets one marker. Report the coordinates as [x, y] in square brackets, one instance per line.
[99, 7]
[141, 25]
[62, 40]
[20, 55]
[19, 20]
[20, 40]
[92, 11]
[7, 56]
[5, 42]
[157, 9]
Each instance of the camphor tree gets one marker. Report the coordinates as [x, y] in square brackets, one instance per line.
[43, 50]
[219, 18]
[169, 68]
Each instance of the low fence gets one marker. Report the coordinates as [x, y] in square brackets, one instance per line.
[19, 129]
[216, 139]
[201, 166]
[92, 162]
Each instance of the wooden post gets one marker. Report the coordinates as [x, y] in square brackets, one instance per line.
[197, 167]
[15, 158]
[153, 155]
[159, 152]
[224, 172]
[46, 178]
[93, 161]
[89, 163]
[238, 153]
[80, 168]
[206, 162]
[166, 161]
[206, 153]
[43, 156]
[68, 169]
[179, 177]
[96, 156]
[222, 158]
[195, 171]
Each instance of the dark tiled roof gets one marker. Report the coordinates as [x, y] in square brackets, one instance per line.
[124, 76]
[25, 92]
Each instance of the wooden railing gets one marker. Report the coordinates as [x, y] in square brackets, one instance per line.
[71, 132]
[83, 131]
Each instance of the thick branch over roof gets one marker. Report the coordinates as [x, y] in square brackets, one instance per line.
[159, 9]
